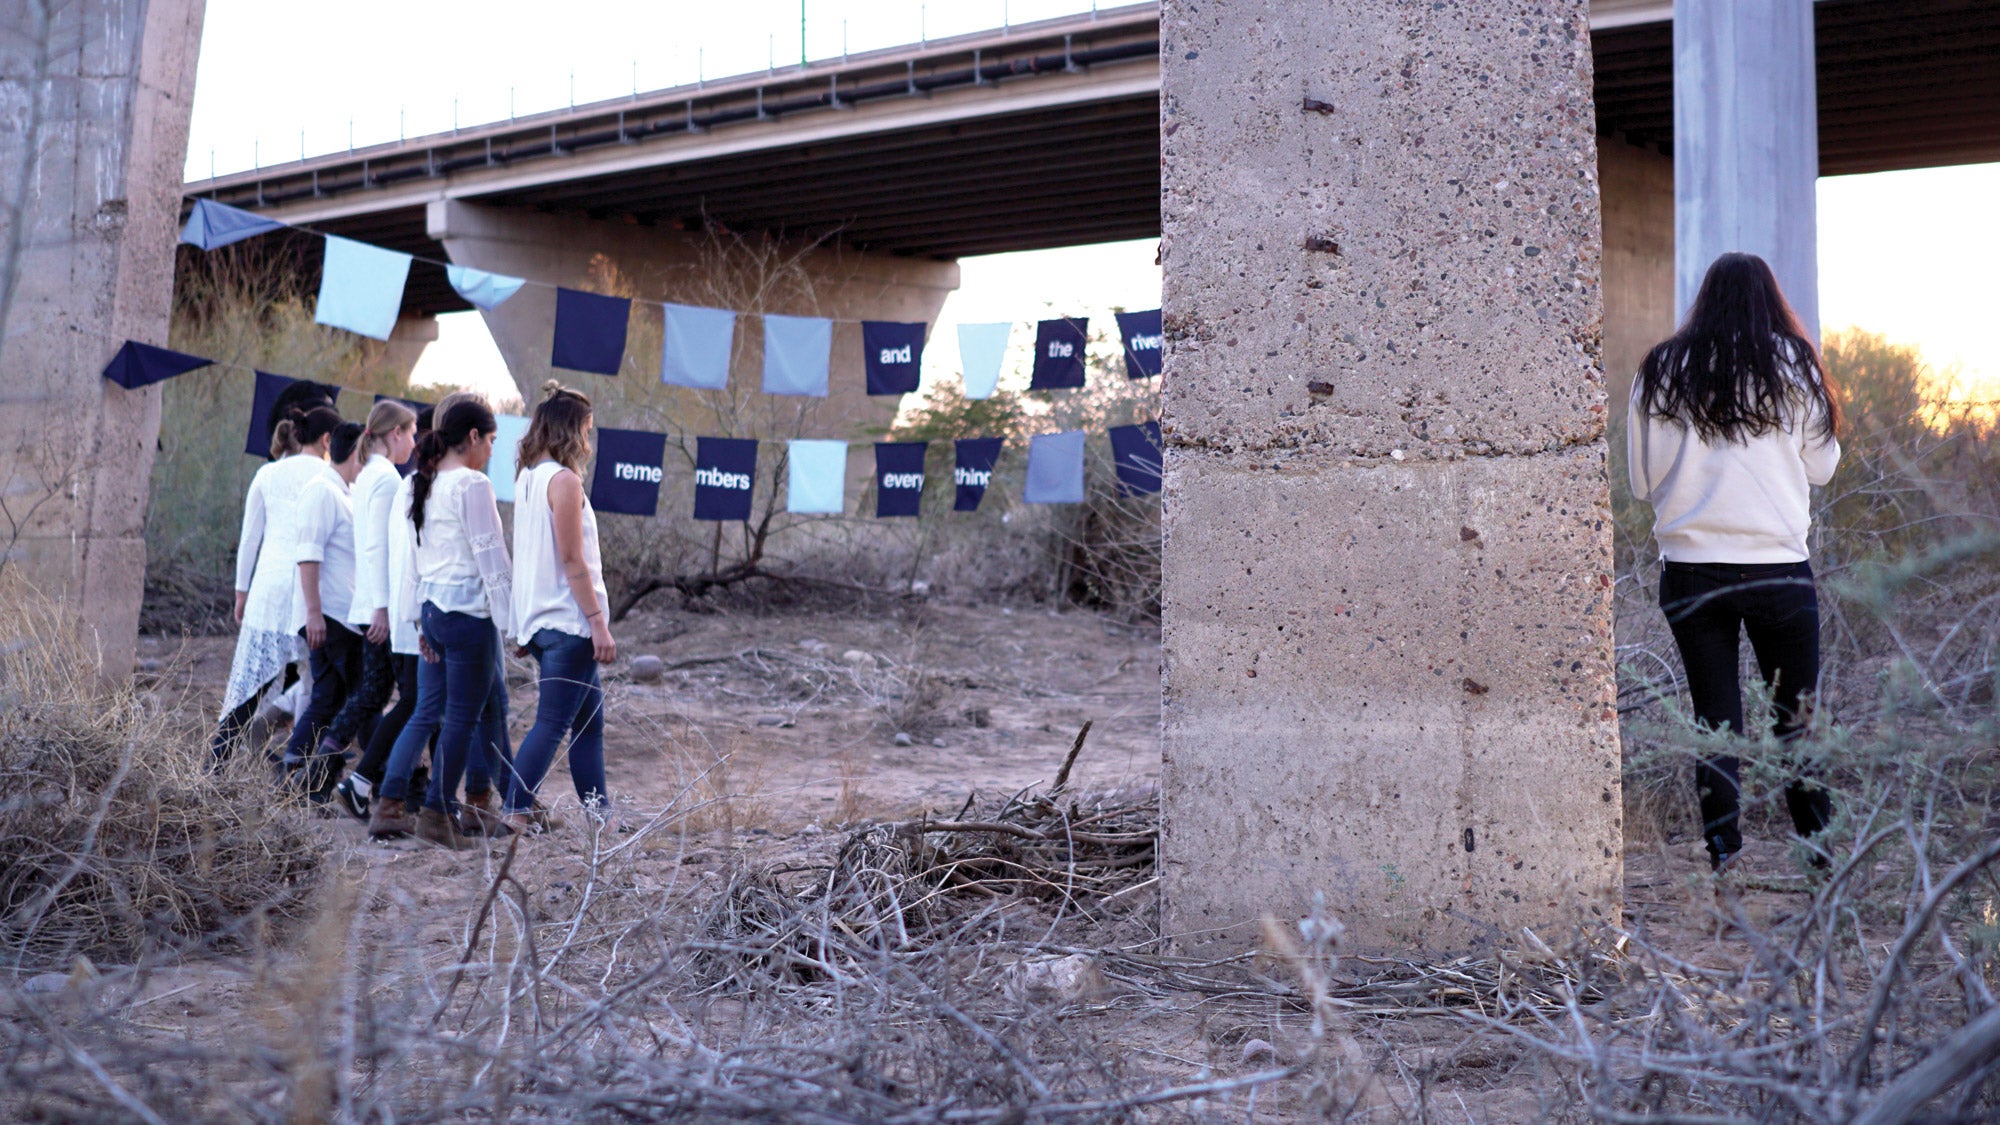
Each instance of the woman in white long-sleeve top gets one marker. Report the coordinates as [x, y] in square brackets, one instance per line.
[391, 435]
[326, 566]
[463, 594]
[267, 588]
[560, 607]
[1732, 422]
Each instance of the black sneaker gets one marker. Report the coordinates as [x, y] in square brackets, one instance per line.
[353, 794]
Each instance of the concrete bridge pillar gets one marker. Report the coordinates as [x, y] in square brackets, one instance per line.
[691, 268]
[1746, 144]
[96, 96]
[1387, 614]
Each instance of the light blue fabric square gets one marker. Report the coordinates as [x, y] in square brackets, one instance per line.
[361, 288]
[695, 349]
[981, 350]
[484, 290]
[505, 465]
[817, 477]
[1055, 468]
[796, 351]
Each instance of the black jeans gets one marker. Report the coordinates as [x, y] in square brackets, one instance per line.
[336, 668]
[404, 669]
[1707, 605]
[362, 712]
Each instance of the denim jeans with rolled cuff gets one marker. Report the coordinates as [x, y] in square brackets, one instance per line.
[572, 703]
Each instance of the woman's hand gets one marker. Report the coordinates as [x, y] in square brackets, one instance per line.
[520, 651]
[424, 648]
[378, 627]
[315, 630]
[602, 647]
[242, 596]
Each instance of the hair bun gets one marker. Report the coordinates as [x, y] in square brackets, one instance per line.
[551, 388]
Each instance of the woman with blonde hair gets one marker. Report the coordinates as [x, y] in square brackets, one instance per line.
[267, 586]
[391, 434]
[560, 607]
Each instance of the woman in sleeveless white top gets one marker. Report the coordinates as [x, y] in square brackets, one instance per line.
[560, 607]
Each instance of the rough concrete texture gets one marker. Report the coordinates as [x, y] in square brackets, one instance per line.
[1387, 563]
[1638, 188]
[668, 265]
[94, 104]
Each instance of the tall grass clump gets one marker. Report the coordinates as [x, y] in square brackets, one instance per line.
[250, 306]
[118, 838]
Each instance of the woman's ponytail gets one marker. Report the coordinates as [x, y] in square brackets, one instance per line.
[285, 435]
[430, 450]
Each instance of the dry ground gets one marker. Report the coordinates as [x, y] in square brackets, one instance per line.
[783, 727]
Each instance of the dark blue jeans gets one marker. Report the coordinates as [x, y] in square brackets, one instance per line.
[1708, 606]
[336, 666]
[572, 702]
[480, 759]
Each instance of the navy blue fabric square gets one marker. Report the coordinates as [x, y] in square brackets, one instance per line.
[270, 393]
[141, 365]
[628, 473]
[899, 478]
[1059, 353]
[725, 475]
[894, 354]
[974, 470]
[1141, 332]
[1135, 453]
[590, 331]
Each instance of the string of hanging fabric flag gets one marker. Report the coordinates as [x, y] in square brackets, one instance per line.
[361, 290]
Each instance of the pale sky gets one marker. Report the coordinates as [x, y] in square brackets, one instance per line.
[1907, 254]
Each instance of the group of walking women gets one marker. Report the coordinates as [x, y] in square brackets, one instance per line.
[364, 583]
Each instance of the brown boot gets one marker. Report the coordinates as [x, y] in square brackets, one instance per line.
[389, 819]
[433, 827]
[479, 815]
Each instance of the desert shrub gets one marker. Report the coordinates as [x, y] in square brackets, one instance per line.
[119, 837]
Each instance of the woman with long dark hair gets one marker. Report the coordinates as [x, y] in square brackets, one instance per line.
[267, 587]
[560, 607]
[1731, 423]
[463, 598]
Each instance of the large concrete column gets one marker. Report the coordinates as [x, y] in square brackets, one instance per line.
[669, 265]
[1638, 201]
[1387, 618]
[94, 103]
[1746, 143]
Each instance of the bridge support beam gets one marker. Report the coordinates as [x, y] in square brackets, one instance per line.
[1746, 144]
[92, 142]
[1387, 612]
[720, 271]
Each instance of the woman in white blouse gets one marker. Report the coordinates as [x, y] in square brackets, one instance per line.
[267, 585]
[390, 436]
[462, 594]
[325, 554]
[559, 605]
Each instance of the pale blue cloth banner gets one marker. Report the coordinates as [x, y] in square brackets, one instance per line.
[505, 463]
[796, 351]
[1055, 468]
[695, 352]
[816, 479]
[213, 224]
[485, 290]
[981, 349]
[361, 288]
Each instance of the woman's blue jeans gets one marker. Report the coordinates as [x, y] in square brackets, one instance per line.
[572, 702]
[465, 682]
